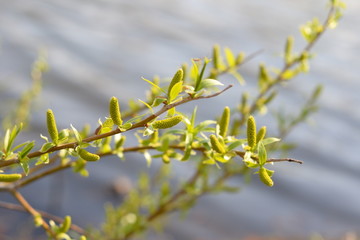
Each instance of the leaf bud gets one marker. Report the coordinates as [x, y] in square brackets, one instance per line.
[265, 178]
[216, 145]
[88, 156]
[224, 122]
[51, 126]
[167, 123]
[10, 177]
[114, 110]
[251, 131]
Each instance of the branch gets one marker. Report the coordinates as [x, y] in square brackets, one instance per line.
[17, 207]
[92, 138]
[32, 211]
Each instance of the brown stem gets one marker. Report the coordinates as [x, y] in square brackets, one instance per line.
[32, 211]
[47, 215]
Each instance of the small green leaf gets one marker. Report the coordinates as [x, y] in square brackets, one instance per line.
[175, 90]
[46, 146]
[26, 150]
[267, 141]
[76, 133]
[147, 105]
[208, 83]
[153, 84]
[157, 101]
[25, 165]
[262, 153]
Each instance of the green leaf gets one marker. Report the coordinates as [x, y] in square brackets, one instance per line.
[26, 150]
[157, 101]
[147, 105]
[175, 90]
[208, 83]
[44, 159]
[25, 165]
[262, 153]
[76, 133]
[125, 126]
[153, 84]
[235, 144]
[267, 141]
[46, 146]
[238, 77]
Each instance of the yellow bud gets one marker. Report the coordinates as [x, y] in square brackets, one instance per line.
[166, 159]
[88, 156]
[10, 177]
[65, 226]
[216, 145]
[167, 123]
[265, 178]
[51, 126]
[224, 122]
[261, 134]
[114, 110]
[251, 131]
[179, 75]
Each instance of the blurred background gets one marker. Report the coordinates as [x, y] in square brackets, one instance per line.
[101, 48]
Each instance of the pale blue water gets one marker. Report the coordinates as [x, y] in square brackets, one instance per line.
[98, 49]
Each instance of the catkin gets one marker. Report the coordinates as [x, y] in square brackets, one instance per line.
[216, 145]
[10, 177]
[216, 56]
[167, 123]
[179, 75]
[224, 122]
[114, 110]
[51, 126]
[65, 226]
[88, 156]
[261, 134]
[251, 131]
[265, 178]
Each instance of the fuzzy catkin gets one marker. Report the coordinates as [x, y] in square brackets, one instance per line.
[251, 131]
[10, 177]
[179, 75]
[265, 178]
[51, 126]
[224, 122]
[167, 123]
[88, 156]
[114, 110]
[216, 145]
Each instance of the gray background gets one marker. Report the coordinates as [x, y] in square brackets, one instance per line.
[97, 49]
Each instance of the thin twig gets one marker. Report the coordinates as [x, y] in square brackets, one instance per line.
[17, 207]
[32, 211]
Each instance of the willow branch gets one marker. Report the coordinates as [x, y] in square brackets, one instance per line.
[92, 138]
[17, 207]
[288, 66]
[32, 211]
